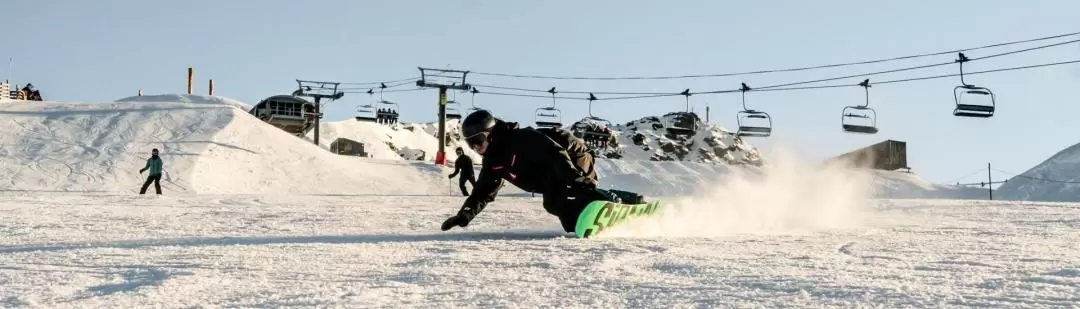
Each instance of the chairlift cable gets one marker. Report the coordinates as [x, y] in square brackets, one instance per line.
[1034, 178]
[574, 92]
[981, 170]
[980, 72]
[917, 67]
[785, 85]
[783, 70]
[392, 85]
[905, 79]
[796, 88]
[381, 82]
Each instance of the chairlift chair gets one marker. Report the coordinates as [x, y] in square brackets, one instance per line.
[366, 112]
[595, 136]
[747, 118]
[860, 118]
[473, 100]
[551, 116]
[684, 122]
[594, 118]
[548, 117]
[387, 112]
[984, 98]
[453, 108]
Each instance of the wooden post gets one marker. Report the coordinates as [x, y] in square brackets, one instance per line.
[211, 87]
[140, 92]
[190, 80]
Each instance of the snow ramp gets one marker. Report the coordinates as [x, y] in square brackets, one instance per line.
[206, 148]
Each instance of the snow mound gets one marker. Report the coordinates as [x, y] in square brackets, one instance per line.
[186, 98]
[206, 148]
[1057, 179]
[652, 138]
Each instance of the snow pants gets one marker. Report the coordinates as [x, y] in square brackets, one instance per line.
[566, 203]
[156, 179]
[466, 178]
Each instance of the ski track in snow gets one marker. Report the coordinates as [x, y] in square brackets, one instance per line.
[78, 251]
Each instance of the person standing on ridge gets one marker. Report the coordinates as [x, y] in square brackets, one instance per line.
[464, 165]
[549, 161]
[154, 164]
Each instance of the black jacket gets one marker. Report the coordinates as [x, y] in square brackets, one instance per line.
[464, 165]
[535, 160]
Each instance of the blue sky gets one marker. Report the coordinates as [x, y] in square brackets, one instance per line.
[105, 50]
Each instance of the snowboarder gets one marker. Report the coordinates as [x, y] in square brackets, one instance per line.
[548, 161]
[464, 165]
[154, 164]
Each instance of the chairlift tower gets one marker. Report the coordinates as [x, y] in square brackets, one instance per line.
[443, 79]
[318, 90]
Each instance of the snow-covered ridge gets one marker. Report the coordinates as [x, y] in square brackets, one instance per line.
[187, 98]
[646, 139]
[1055, 179]
[652, 138]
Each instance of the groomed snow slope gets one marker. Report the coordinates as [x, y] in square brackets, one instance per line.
[76, 251]
[206, 148]
[1056, 179]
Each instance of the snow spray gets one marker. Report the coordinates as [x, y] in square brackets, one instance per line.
[785, 196]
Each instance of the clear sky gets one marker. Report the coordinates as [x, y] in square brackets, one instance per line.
[103, 50]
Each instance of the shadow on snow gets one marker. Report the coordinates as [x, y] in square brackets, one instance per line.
[285, 240]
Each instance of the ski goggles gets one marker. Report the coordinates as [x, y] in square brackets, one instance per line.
[476, 139]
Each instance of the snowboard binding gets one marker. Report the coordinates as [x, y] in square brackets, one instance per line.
[627, 197]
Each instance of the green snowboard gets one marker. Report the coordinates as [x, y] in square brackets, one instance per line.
[600, 215]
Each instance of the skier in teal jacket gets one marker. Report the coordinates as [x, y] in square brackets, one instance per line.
[154, 165]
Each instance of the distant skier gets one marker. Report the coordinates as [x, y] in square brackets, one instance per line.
[154, 164]
[464, 165]
[548, 161]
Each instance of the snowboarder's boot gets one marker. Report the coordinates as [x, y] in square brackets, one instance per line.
[621, 196]
[627, 197]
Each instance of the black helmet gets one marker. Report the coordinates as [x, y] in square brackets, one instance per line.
[476, 123]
